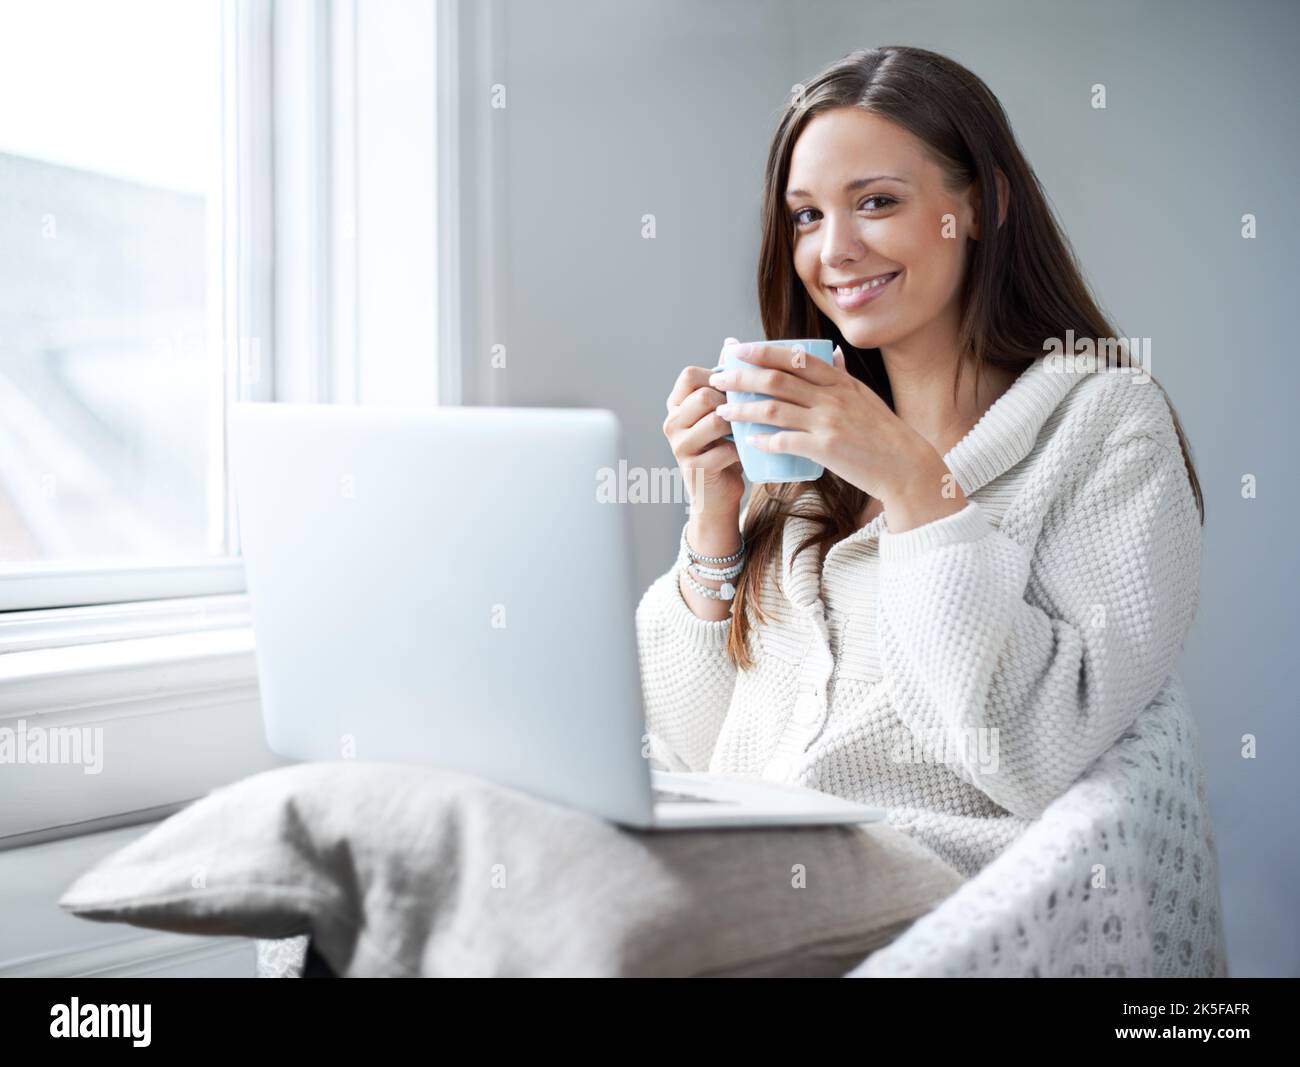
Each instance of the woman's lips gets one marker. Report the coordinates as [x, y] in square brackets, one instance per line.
[856, 300]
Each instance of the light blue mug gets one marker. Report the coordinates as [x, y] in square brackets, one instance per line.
[762, 466]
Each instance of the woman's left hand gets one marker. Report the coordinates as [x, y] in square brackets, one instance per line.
[828, 416]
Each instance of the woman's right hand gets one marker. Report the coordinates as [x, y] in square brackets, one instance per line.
[714, 479]
[709, 464]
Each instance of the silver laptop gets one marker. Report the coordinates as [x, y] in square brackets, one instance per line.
[442, 586]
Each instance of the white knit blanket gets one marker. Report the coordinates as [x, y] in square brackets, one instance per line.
[1118, 878]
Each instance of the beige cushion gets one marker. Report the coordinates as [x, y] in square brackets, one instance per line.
[402, 870]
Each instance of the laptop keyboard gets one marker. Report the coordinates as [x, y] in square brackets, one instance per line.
[665, 796]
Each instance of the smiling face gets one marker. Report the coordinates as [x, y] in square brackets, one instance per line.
[868, 205]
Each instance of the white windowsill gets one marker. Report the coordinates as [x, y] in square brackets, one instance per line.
[50, 680]
[34, 586]
[175, 717]
[29, 631]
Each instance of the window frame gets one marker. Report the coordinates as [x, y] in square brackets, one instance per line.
[285, 304]
[240, 273]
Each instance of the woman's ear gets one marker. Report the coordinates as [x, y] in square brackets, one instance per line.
[1004, 198]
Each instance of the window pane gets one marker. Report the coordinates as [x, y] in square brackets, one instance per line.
[110, 225]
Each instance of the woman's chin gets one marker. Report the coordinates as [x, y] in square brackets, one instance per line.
[863, 329]
[862, 338]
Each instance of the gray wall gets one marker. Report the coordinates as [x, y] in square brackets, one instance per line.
[666, 107]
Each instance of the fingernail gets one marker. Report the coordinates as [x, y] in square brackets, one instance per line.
[723, 409]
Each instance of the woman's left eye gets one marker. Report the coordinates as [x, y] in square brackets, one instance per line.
[886, 201]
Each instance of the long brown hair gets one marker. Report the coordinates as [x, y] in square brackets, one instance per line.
[1022, 284]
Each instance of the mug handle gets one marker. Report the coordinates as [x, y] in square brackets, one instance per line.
[731, 436]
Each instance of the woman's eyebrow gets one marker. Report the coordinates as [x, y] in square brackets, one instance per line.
[856, 184]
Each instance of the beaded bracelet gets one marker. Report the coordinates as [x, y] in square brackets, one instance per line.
[716, 575]
[695, 557]
[727, 592]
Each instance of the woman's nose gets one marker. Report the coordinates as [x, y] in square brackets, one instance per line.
[842, 242]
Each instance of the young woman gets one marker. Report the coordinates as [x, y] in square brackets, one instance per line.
[997, 569]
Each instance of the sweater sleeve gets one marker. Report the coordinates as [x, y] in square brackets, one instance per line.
[686, 678]
[1020, 699]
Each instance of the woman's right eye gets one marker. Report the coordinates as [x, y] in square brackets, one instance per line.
[795, 214]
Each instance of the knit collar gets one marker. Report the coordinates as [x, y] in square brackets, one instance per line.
[1000, 439]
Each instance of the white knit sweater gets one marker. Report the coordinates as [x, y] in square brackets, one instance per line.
[964, 673]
